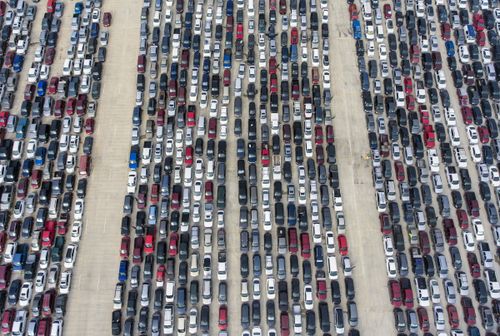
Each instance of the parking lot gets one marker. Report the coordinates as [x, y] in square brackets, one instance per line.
[250, 168]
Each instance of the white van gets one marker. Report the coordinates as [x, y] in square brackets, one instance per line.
[390, 189]
[316, 233]
[201, 126]
[333, 272]
[168, 320]
[210, 169]
[53, 207]
[381, 201]
[169, 293]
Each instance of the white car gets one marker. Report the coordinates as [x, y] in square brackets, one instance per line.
[65, 283]
[486, 55]
[25, 293]
[326, 79]
[450, 117]
[496, 235]
[40, 279]
[382, 51]
[396, 151]
[79, 208]
[391, 268]
[433, 160]
[70, 255]
[475, 153]
[494, 176]
[271, 288]
[478, 228]
[468, 241]
[330, 242]
[31, 148]
[308, 297]
[472, 134]
[76, 231]
[388, 246]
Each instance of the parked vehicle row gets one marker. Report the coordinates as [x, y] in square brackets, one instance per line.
[410, 110]
[45, 161]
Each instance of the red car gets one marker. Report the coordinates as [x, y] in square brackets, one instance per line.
[423, 319]
[89, 126]
[423, 239]
[407, 294]
[59, 107]
[424, 115]
[387, 11]
[478, 22]
[445, 31]
[2, 8]
[467, 115]
[450, 232]
[292, 240]
[172, 245]
[22, 188]
[160, 275]
[160, 117]
[125, 247]
[70, 106]
[149, 244]
[54, 81]
[223, 317]
[330, 135]
[408, 85]
[284, 324]
[3, 240]
[484, 134]
[49, 56]
[400, 171]
[410, 102]
[321, 289]
[343, 247]
[274, 83]
[7, 320]
[212, 128]
[81, 104]
[385, 224]
[282, 7]
[155, 193]
[138, 249]
[294, 36]
[318, 134]
[141, 63]
[29, 92]
[36, 178]
[239, 31]
[9, 58]
[191, 116]
[395, 293]
[353, 12]
[469, 312]
[227, 77]
[463, 219]
[106, 19]
[429, 136]
[4, 117]
[453, 316]
[305, 245]
[264, 154]
[273, 66]
[481, 38]
[48, 234]
[474, 268]
[209, 191]
[188, 159]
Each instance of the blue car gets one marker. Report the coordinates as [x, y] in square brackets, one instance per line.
[41, 88]
[294, 54]
[78, 8]
[17, 65]
[450, 48]
[94, 30]
[40, 154]
[123, 272]
[356, 28]
[27, 167]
